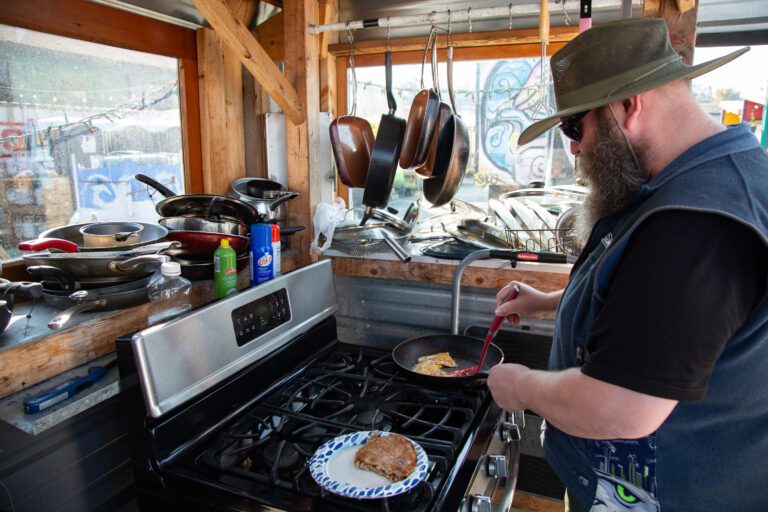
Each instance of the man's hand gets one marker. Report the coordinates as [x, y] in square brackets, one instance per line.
[529, 302]
[502, 381]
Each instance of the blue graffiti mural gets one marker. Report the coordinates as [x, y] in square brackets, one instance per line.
[512, 99]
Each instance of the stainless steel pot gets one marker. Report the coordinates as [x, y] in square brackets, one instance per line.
[272, 206]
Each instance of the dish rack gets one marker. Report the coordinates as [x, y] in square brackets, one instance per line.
[558, 241]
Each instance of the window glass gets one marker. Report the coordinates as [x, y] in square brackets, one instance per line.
[736, 92]
[497, 99]
[77, 121]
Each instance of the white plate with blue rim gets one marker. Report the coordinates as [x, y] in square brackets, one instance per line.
[333, 468]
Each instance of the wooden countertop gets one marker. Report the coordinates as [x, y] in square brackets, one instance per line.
[39, 354]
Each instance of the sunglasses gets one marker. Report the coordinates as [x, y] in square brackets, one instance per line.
[571, 128]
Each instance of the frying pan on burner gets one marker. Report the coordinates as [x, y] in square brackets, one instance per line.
[465, 350]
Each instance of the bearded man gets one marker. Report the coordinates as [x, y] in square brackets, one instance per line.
[656, 396]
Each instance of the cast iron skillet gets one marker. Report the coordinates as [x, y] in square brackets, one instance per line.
[465, 350]
[386, 152]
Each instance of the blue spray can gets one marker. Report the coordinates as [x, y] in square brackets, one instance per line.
[262, 258]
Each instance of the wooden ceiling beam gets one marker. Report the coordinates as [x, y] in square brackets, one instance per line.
[253, 56]
[466, 40]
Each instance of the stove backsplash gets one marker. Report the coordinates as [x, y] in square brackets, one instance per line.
[384, 312]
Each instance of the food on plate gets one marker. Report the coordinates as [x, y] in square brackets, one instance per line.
[392, 456]
[433, 364]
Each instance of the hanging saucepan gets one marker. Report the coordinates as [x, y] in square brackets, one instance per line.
[352, 138]
[452, 153]
[422, 120]
[464, 350]
[386, 151]
[152, 233]
[444, 117]
[206, 206]
[101, 299]
[7, 292]
[105, 264]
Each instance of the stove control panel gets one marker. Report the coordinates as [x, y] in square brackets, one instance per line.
[260, 316]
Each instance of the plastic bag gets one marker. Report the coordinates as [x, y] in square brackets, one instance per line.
[327, 215]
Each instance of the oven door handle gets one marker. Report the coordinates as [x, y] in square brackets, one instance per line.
[509, 484]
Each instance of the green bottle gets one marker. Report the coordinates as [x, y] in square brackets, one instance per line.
[224, 270]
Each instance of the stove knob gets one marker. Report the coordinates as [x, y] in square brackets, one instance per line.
[496, 466]
[480, 503]
[509, 432]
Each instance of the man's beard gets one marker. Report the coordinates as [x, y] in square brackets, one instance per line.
[611, 173]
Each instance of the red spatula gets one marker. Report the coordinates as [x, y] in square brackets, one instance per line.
[497, 320]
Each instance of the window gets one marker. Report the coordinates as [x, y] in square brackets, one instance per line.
[497, 99]
[78, 120]
[735, 92]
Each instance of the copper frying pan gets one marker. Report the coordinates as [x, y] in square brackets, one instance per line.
[422, 119]
[444, 115]
[452, 153]
[352, 138]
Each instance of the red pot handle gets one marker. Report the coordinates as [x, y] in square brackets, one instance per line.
[41, 244]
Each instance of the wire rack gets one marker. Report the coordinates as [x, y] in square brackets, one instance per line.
[560, 241]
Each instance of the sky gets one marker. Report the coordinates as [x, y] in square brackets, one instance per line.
[748, 73]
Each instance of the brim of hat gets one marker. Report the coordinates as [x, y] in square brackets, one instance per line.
[652, 82]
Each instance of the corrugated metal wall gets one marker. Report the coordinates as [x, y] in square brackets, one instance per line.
[384, 312]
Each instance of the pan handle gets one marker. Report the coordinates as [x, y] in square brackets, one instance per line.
[41, 244]
[23, 289]
[165, 191]
[47, 272]
[283, 198]
[131, 264]
[391, 103]
[62, 318]
[393, 244]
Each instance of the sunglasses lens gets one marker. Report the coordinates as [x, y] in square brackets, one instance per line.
[570, 126]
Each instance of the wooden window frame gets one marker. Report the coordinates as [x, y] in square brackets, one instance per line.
[86, 21]
[513, 44]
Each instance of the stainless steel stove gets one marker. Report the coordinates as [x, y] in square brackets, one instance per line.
[227, 404]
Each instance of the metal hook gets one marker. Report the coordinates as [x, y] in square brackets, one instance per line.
[565, 13]
[432, 23]
[389, 47]
[351, 61]
[449, 22]
[510, 15]
[469, 18]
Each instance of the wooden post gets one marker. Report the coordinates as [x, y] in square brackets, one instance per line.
[681, 25]
[221, 110]
[301, 140]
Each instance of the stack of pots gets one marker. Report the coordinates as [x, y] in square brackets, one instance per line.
[201, 221]
[82, 278]
[266, 196]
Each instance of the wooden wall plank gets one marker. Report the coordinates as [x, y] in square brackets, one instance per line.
[190, 120]
[84, 20]
[681, 25]
[270, 36]
[221, 108]
[480, 277]
[302, 140]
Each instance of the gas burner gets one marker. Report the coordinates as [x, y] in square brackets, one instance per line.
[372, 419]
[339, 362]
[281, 453]
[233, 453]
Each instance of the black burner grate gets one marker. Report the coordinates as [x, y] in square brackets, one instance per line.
[351, 389]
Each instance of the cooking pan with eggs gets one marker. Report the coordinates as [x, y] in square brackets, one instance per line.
[428, 360]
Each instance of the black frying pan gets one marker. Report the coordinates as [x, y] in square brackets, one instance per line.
[465, 350]
[386, 152]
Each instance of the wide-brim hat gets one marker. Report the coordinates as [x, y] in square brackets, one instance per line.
[612, 62]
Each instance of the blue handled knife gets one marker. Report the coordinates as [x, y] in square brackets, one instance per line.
[50, 397]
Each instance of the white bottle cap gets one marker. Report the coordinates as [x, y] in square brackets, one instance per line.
[170, 268]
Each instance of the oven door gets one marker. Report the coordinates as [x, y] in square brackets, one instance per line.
[493, 485]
